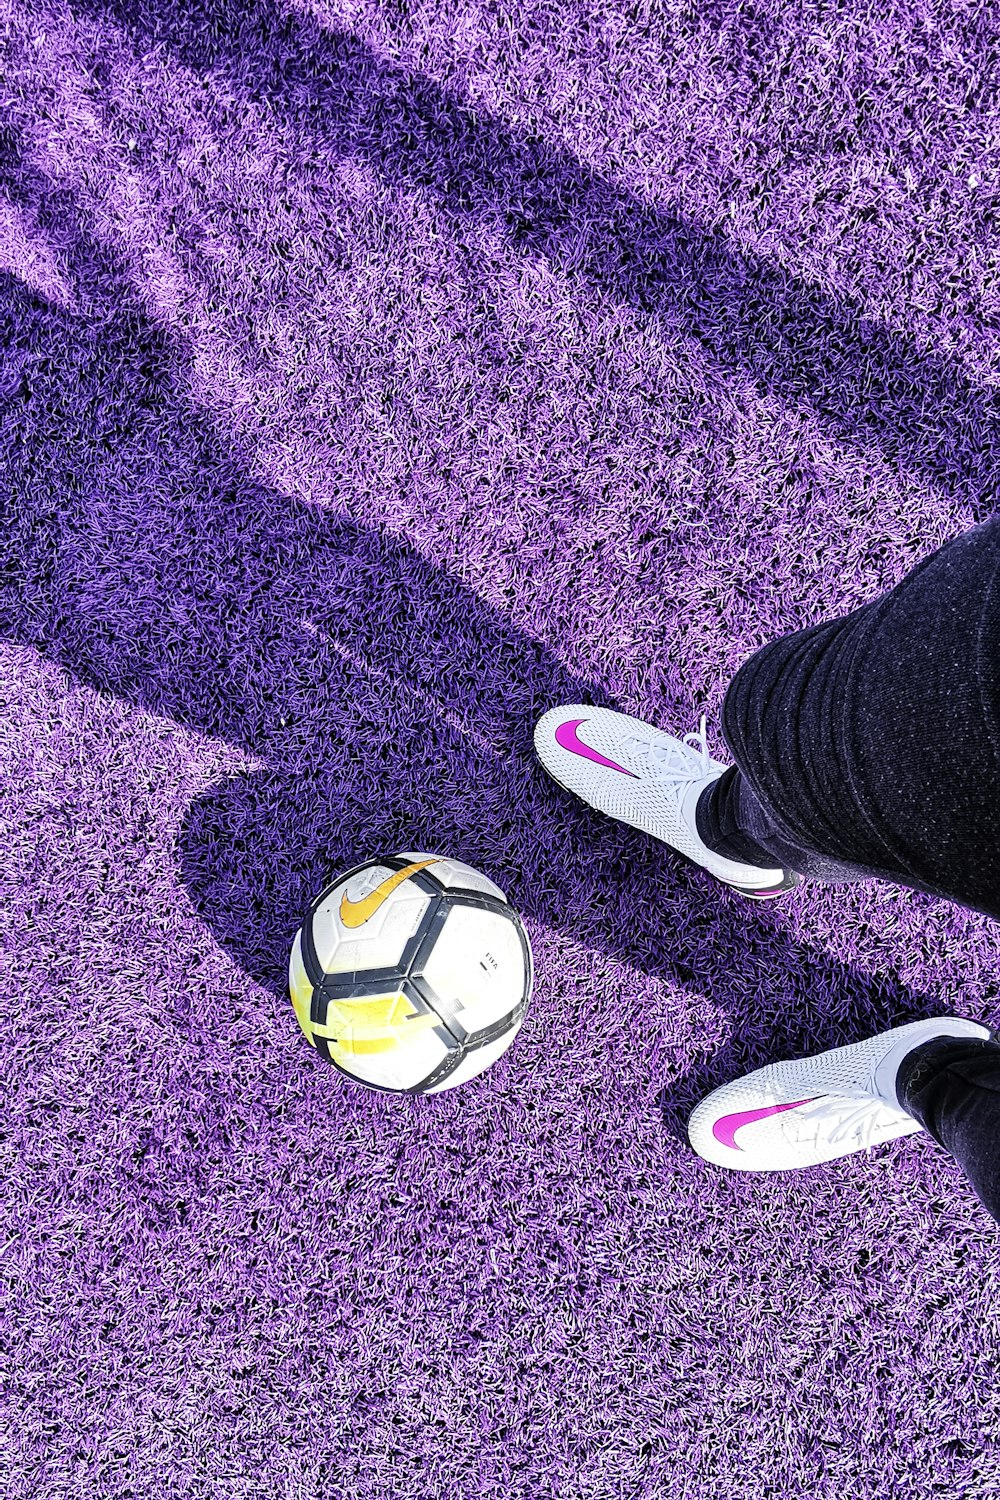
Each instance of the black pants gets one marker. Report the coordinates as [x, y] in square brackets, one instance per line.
[869, 746]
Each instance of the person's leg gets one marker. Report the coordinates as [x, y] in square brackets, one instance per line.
[952, 1087]
[941, 1074]
[868, 746]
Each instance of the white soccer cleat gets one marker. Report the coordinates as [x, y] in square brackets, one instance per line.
[816, 1109]
[650, 780]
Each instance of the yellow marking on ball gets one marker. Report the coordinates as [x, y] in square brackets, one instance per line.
[300, 988]
[372, 1023]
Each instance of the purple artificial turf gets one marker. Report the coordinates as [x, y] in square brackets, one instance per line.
[372, 378]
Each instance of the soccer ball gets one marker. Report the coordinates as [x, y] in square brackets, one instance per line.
[411, 973]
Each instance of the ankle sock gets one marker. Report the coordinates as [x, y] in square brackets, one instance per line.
[715, 820]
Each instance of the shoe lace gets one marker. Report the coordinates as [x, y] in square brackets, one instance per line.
[678, 761]
[855, 1113]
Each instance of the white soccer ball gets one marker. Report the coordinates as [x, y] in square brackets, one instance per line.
[411, 973]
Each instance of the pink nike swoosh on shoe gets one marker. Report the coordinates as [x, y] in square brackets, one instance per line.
[568, 739]
[726, 1126]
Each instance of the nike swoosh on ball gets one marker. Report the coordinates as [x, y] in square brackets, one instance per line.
[357, 913]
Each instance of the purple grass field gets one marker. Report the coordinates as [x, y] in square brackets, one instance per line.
[376, 375]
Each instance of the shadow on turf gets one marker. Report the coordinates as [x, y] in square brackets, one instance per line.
[866, 382]
[387, 705]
